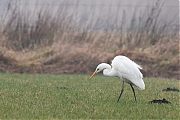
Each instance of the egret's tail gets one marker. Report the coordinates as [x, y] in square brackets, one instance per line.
[141, 85]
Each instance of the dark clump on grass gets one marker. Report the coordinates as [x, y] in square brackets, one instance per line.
[160, 101]
[63, 88]
[171, 89]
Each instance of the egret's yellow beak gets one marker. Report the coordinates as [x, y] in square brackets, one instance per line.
[93, 74]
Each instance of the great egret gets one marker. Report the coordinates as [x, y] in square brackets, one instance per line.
[124, 68]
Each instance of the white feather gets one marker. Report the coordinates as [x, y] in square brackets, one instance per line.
[128, 71]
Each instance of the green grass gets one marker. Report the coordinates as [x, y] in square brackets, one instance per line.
[74, 96]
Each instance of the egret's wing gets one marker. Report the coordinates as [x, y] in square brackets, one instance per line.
[128, 70]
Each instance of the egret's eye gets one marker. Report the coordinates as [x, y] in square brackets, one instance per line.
[98, 69]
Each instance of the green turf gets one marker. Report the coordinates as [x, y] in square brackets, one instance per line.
[74, 96]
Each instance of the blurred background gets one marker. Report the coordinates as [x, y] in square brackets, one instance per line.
[74, 36]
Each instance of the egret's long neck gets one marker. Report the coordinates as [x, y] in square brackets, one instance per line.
[108, 70]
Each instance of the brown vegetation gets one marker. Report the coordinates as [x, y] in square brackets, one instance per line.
[55, 45]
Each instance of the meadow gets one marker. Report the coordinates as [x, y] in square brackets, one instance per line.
[65, 96]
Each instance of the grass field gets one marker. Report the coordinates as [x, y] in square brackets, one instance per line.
[74, 96]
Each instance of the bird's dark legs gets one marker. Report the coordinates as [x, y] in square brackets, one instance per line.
[133, 91]
[121, 91]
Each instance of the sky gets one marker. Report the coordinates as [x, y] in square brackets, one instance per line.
[105, 9]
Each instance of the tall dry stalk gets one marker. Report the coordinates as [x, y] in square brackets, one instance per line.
[28, 29]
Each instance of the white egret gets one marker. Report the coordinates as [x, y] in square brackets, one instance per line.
[124, 68]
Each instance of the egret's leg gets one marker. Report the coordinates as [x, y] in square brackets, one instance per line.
[121, 91]
[133, 91]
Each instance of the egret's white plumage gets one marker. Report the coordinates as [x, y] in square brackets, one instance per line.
[124, 68]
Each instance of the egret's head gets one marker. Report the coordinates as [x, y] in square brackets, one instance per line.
[99, 68]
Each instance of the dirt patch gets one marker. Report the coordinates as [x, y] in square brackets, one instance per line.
[160, 101]
[171, 89]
